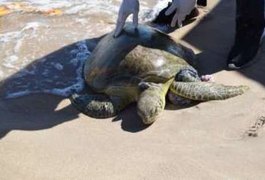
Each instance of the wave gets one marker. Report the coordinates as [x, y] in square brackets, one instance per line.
[60, 72]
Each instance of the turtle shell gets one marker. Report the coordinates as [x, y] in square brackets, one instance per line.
[133, 54]
[150, 65]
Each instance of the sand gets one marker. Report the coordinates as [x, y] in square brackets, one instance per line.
[44, 137]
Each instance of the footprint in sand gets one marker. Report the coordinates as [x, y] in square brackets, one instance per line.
[254, 130]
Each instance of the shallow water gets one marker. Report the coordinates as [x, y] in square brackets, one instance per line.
[45, 52]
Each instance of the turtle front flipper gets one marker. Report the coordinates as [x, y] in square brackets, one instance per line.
[96, 106]
[152, 101]
[206, 91]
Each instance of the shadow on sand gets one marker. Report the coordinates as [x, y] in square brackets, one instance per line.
[40, 111]
[218, 25]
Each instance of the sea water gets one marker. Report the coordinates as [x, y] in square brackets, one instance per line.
[44, 53]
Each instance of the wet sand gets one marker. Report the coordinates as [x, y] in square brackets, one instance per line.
[44, 137]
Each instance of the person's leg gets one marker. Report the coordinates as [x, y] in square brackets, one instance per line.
[249, 28]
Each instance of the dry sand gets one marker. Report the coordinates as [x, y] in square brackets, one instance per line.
[44, 137]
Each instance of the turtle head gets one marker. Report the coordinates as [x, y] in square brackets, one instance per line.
[188, 74]
[151, 101]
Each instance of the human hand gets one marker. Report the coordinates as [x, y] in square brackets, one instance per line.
[182, 8]
[127, 7]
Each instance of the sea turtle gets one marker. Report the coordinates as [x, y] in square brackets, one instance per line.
[142, 66]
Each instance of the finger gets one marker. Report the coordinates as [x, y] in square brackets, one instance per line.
[120, 24]
[174, 20]
[170, 10]
[135, 19]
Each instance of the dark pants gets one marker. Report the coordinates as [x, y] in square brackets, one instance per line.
[249, 28]
[202, 2]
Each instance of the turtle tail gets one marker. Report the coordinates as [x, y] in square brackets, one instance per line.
[96, 106]
[206, 91]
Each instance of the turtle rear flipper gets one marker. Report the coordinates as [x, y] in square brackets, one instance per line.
[206, 91]
[96, 106]
[105, 105]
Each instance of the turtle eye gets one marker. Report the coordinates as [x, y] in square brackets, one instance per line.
[143, 86]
